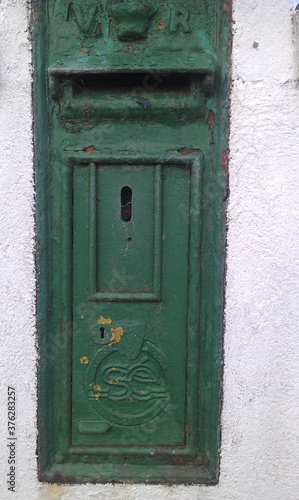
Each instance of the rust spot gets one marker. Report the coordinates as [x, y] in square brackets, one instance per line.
[174, 460]
[89, 150]
[211, 119]
[187, 151]
[83, 51]
[204, 462]
[224, 159]
[228, 8]
[179, 460]
[161, 26]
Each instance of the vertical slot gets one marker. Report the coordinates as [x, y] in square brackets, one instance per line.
[126, 203]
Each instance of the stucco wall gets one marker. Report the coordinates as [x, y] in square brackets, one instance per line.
[260, 418]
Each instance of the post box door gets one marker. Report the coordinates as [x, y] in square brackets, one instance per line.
[131, 281]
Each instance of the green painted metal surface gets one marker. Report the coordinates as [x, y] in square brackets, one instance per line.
[131, 177]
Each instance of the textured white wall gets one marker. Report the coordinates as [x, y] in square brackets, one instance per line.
[260, 420]
[17, 274]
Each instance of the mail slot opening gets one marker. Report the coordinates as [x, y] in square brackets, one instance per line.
[132, 82]
[126, 204]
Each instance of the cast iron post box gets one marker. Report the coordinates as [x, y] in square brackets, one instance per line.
[130, 119]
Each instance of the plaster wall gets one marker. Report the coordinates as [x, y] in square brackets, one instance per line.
[260, 431]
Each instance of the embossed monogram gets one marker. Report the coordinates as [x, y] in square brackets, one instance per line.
[131, 18]
[179, 20]
[86, 19]
[141, 381]
[129, 392]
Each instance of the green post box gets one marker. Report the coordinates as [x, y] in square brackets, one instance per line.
[131, 178]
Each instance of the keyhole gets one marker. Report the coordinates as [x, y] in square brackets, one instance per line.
[102, 332]
[126, 203]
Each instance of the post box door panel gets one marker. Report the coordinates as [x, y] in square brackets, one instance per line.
[130, 287]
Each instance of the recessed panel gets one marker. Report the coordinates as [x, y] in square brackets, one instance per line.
[130, 358]
[128, 246]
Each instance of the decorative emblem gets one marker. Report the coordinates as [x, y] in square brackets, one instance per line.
[132, 19]
[129, 382]
[87, 20]
[179, 21]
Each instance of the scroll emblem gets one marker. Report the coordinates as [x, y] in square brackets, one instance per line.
[87, 20]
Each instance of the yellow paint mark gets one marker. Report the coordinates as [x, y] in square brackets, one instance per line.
[104, 321]
[52, 491]
[84, 360]
[140, 392]
[98, 390]
[117, 334]
[113, 381]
